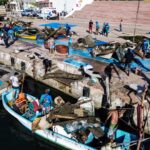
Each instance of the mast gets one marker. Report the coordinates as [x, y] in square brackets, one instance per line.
[137, 12]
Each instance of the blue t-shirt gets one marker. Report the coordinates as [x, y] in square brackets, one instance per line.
[46, 100]
[97, 25]
[145, 45]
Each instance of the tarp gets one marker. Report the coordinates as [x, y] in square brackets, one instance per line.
[56, 25]
[75, 63]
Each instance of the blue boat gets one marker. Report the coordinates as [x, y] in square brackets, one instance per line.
[62, 140]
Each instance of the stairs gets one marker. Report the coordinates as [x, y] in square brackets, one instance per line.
[114, 11]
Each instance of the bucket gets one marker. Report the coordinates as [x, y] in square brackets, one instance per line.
[62, 49]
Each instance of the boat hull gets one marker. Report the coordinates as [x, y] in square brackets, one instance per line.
[108, 56]
[59, 139]
[47, 135]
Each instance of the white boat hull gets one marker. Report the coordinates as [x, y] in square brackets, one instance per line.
[46, 134]
[107, 56]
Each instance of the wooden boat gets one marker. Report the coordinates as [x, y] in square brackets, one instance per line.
[59, 137]
[105, 51]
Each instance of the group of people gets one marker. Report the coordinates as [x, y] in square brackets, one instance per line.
[8, 35]
[104, 31]
[45, 103]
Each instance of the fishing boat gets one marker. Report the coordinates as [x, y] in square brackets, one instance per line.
[105, 50]
[28, 37]
[59, 136]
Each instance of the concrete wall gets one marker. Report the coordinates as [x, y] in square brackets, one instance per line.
[35, 69]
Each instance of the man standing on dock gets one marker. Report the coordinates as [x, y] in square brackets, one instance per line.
[145, 46]
[108, 71]
[97, 27]
[90, 26]
[120, 25]
[129, 57]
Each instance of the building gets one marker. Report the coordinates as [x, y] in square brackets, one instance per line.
[63, 5]
[13, 5]
[17, 5]
[43, 3]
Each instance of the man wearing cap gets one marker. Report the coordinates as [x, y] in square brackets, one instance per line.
[46, 101]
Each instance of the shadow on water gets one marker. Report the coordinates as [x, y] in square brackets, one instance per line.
[13, 135]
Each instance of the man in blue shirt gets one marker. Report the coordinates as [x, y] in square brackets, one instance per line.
[68, 28]
[46, 101]
[145, 46]
[97, 27]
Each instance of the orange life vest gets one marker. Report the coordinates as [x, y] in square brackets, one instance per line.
[21, 100]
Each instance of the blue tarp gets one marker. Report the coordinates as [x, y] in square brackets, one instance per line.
[99, 43]
[56, 25]
[143, 64]
[75, 62]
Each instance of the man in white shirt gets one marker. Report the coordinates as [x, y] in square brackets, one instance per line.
[15, 84]
[15, 81]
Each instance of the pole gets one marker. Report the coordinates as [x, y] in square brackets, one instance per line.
[22, 82]
[141, 132]
[137, 12]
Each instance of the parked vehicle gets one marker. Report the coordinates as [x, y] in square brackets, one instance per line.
[52, 15]
[45, 12]
[27, 12]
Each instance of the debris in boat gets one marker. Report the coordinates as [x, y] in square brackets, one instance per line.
[58, 101]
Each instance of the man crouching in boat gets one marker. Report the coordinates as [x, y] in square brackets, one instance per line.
[15, 84]
[46, 102]
[114, 115]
